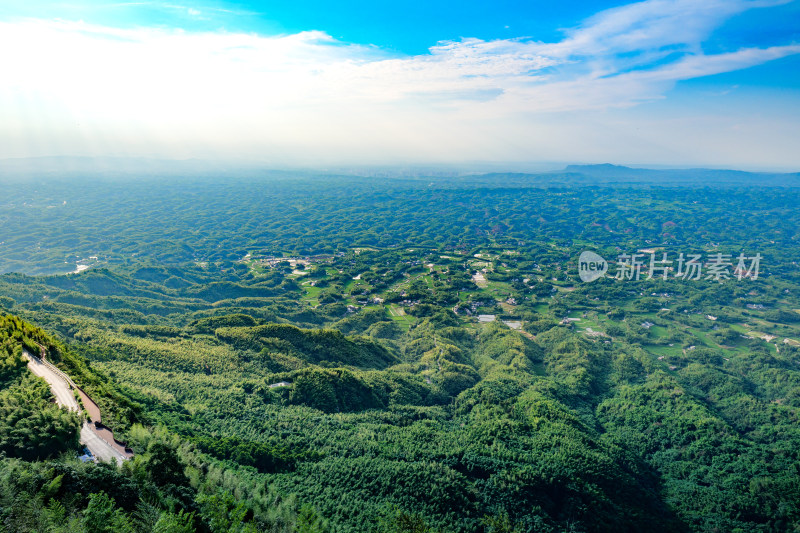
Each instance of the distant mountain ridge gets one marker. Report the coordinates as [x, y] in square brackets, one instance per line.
[68, 167]
[609, 173]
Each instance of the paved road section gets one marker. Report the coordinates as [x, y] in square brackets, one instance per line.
[101, 449]
[60, 389]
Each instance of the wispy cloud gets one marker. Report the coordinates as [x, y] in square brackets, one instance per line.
[245, 90]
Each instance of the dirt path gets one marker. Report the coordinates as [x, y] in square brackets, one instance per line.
[100, 441]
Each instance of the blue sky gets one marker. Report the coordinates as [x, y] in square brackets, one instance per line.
[667, 82]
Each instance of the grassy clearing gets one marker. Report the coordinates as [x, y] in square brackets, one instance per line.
[311, 294]
[585, 323]
[662, 350]
[541, 308]
[399, 315]
[703, 338]
[658, 332]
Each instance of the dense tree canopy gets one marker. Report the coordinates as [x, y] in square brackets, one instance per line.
[318, 354]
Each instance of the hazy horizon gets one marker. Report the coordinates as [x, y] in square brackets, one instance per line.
[68, 163]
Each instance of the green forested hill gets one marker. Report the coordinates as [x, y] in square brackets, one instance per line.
[313, 360]
[31, 427]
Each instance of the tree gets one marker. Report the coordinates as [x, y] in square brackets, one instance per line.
[403, 522]
[182, 522]
[224, 514]
[165, 466]
[309, 521]
[101, 516]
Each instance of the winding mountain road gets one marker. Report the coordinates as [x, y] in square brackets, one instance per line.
[62, 390]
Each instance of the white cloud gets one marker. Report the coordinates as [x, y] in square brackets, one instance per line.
[654, 24]
[74, 87]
